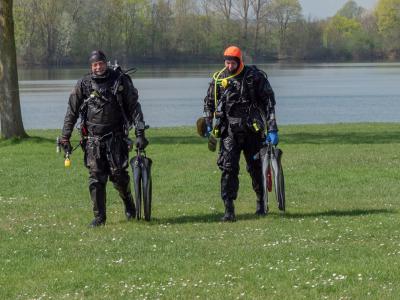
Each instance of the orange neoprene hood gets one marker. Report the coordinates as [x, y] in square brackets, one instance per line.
[234, 53]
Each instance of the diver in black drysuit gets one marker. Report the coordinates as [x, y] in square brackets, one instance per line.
[104, 116]
[245, 112]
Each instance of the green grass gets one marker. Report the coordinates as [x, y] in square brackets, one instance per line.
[339, 239]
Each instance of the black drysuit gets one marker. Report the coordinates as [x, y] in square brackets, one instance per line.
[244, 112]
[104, 114]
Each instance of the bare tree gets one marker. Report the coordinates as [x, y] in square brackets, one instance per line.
[283, 13]
[10, 108]
[161, 24]
[241, 8]
[225, 7]
[205, 6]
[259, 10]
[47, 13]
[128, 25]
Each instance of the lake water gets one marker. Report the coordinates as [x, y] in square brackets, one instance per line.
[305, 93]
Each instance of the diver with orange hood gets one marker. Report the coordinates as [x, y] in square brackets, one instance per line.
[240, 110]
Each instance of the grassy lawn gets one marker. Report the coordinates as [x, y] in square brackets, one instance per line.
[339, 239]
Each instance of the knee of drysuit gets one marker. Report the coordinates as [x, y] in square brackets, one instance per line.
[120, 177]
[254, 167]
[228, 162]
[97, 179]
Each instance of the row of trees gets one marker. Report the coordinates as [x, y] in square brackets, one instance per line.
[65, 31]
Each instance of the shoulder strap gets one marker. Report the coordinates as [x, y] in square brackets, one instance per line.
[249, 80]
[261, 72]
[116, 86]
[248, 83]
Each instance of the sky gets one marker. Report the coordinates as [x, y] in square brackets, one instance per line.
[322, 9]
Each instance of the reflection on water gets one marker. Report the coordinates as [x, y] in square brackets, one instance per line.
[305, 93]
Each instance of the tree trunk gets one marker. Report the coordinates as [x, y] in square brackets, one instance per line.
[255, 53]
[10, 109]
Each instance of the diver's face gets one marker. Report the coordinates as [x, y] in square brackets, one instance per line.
[99, 68]
[231, 65]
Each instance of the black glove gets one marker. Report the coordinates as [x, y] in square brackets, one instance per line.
[141, 142]
[212, 143]
[65, 143]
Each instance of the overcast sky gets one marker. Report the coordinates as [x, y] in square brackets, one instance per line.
[327, 8]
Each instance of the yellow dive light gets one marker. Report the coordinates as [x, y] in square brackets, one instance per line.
[67, 161]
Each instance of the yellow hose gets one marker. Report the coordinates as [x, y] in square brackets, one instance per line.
[216, 82]
[223, 82]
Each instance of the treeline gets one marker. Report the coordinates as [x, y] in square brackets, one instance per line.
[59, 32]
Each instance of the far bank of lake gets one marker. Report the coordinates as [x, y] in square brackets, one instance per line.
[173, 96]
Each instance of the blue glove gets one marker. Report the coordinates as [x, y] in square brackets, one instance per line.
[272, 137]
[208, 131]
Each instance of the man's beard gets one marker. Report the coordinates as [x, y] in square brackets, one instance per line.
[97, 75]
[100, 73]
[233, 71]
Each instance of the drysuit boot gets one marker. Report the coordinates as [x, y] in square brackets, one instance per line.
[130, 210]
[98, 196]
[229, 215]
[126, 196]
[96, 223]
[261, 209]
